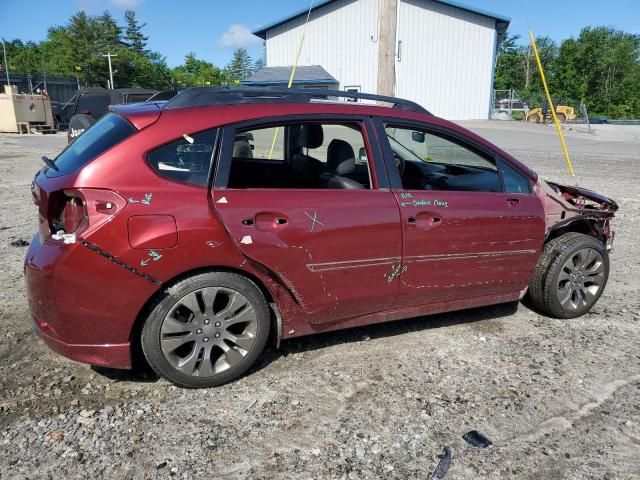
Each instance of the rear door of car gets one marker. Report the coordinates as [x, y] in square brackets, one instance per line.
[471, 225]
[333, 248]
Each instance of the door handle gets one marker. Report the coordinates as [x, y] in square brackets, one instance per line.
[269, 220]
[513, 202]
[425, 220]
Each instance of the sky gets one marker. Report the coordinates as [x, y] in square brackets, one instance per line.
[214, 28]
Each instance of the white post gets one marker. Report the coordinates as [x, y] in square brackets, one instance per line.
[109, 55]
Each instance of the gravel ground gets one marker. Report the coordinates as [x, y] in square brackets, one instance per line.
[557, 399]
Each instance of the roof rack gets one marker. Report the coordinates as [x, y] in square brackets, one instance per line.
[205, 96]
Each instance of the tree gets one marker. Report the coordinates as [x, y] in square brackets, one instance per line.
[240, 66]
[133, 36]
[196, 72]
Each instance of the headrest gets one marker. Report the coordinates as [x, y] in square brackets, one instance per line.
[340, 157]
[310, 135]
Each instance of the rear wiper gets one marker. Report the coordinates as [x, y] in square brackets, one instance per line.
[49, 163]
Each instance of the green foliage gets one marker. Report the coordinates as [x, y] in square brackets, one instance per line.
[240, 67]
[600, 68]
[77, 49]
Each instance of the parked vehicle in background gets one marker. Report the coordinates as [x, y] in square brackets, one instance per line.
[193, 230]
[511, 104]
[92, 103]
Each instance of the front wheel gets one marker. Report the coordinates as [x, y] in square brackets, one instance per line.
[207, 330]
[570, 276]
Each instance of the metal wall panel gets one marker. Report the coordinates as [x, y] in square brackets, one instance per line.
[341, 37]
[446, 61]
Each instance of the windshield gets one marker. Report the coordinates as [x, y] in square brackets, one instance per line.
[97, 139]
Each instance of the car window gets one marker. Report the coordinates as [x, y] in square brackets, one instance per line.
[328, 155]
[514, 180]
[97, 139]
[94, 104]
[187, 159]
[428, 161]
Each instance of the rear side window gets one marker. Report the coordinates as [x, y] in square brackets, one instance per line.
[97, 139]
[187, 159]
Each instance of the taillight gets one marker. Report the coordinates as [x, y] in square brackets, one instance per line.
[77, 212]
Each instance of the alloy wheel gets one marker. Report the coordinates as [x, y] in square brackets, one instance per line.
[581, 278]
[208, 331]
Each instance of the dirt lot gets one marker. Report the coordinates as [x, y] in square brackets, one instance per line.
[558, 399]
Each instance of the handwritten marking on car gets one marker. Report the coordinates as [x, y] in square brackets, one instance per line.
[145, 201]
[396, 270]
[314, 219]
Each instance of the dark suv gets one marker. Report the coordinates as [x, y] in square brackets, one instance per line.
[194, 230]
[91, 103]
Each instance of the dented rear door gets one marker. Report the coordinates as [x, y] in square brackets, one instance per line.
[333, 249]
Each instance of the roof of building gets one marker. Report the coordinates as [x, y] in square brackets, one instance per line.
[502, 22]
[305, 74]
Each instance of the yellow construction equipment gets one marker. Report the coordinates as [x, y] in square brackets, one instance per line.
[563, 112]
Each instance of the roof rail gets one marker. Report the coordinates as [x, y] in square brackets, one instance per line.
[205, 96]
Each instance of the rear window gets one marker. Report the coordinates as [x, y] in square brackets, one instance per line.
[94, 104]
[97, 139]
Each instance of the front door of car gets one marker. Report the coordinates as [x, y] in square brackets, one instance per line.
[471, 225]
[295, 199]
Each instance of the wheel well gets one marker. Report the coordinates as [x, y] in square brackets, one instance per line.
[138, 361]
[591, 227]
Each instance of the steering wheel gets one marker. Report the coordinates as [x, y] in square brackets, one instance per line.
[400, 163]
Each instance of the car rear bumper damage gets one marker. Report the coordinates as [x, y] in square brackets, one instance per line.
[83, 305]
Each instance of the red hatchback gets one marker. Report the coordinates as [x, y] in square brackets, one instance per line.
[197, 228]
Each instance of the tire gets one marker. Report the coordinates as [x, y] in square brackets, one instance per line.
[194, 347]
[553, 289]
[562, 118]
[78, 124]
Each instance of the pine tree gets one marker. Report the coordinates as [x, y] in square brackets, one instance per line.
[240, 66]
[133, 36]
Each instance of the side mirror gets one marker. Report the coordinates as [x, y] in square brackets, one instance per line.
[418, 137]
[362, 155]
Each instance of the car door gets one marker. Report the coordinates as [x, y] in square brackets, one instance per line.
[331, 247]
[471, 225]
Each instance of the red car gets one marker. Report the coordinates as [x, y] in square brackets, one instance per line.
[193, 230]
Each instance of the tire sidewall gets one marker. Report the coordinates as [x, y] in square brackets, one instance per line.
[554, 274]
[151, 331]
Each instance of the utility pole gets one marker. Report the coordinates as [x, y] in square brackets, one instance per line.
[109, 55]
[387, 24]
[6, 64]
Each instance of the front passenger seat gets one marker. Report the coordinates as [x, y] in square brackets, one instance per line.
[341, 160]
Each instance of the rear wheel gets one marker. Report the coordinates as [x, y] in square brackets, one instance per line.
[207, 330]
[570, 276]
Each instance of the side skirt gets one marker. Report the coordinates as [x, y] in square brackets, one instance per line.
[408, 312]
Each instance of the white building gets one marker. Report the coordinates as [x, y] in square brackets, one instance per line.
[445, 51]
